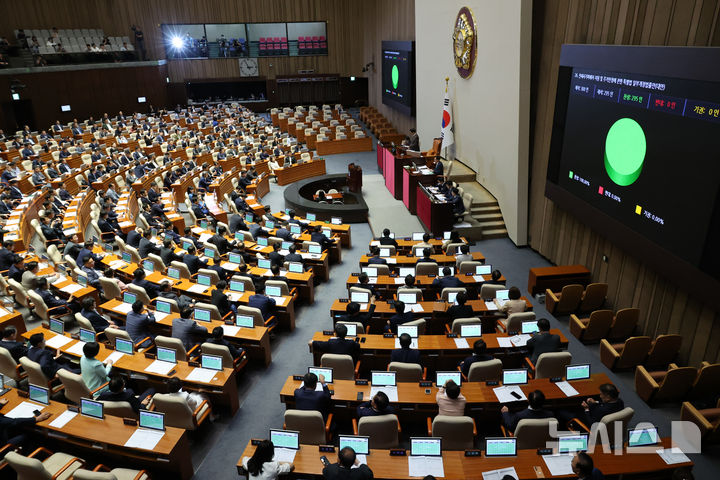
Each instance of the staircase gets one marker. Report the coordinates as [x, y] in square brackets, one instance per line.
[485, 220]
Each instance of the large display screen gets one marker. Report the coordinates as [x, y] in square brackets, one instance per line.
[398, 76]
[635, 151]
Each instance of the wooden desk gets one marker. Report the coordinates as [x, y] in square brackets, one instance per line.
[347, 145]
[388, 286]
[13, 318]
[330, 196]
[260, 186]
[293, 173]
[410, 261]
[557, 277]
[458, 467]
[107, 437]
[436, 216]
[439, 353]
[222, 389]
[343, 230]
[302, 281]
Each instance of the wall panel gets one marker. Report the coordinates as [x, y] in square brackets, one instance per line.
[563, 238]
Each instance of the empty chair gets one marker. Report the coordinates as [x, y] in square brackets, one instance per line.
[707, 420]
[489, 291]
[383, 430]
[663, 351]
[407, 372]
[178, 413]
[9, 367]
[75, 387]
[592, 329]
[118, 409]
[313, 429]
[457, 433]
[258, 320]
[551, 364]
[426, 268]
[624, 355]
[110, 288]
[593, 297]
[101, 472]
[567, 301]
[707, 383]
[487, 371]
[174, 344]
[664, 386]
[55, 465]
[514, 321]
[421, 323]
[624, 324]
[343, 366]
[534, 433]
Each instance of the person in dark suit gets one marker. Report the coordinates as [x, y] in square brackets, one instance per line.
[460, 310]
[223, 244]
[593, 410]
[386, 240]
[375, 257]
[167, 252]
[138, 324]
[534, 411]
[262, 302]
[106, 226]
[218, 339]
[116, 392]
[364, 282]
[192, 261]
[479, 355]
[414, 140]
[133, 238]
[220, 300]
[293, 256]
[236, 222]
[347, 468]
[186, 330]
[88, 269]
[308, 398]
[353, 314]
[53, 234]
[98, 322]
[543, 341]
[284, 233]
[438, 167]
[9, 342]
[7, 254]
[275, 257]
[448, 280]
[87, 250]
[51, 301]
[379, 405]
[426, 258]
[319, 237]
[139, 279]
[12, 430]
[17, 268]
[146, 246]
[582, 465]
[339, 345]
[49, 363]
[400, 317]
[405, 354]
[456, 201]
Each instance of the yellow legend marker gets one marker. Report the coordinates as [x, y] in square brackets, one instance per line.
[638, 209]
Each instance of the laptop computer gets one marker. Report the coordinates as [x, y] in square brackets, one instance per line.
[201, 315]
[151, 420]
[244, 321]
[382, 378]
[166, 355]
[443, 377]
[212, 362]
[502, 294]
[285, 439]
[351, 329]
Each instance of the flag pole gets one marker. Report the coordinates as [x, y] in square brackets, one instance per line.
[447, 79]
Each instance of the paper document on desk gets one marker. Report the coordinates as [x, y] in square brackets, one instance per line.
[491, 305]
[197, 230]
[461, 343]
[504, 394]
[478, 278]
[504, 342]
[399, 281]
[204, 375]
[284, 455]
[144, 438]
[500, 474]
[60, 279]
[62, 419]
[672, 455]
[123, 308]
[230, 330]
[125, 224]
[417, 308]
[413, 343]
[391, 392]
[24, 410]
[204, 237]
[566, 388]
[372, 280]
[362, 459]
[419, 466]
[71, 288]
[116, 264]
[158, 366]
[520, 340]
[234, 296]
[280, 301]
[58, 341]
[374, 243]
[115, 356]
[197, 288]
[229, 266]
[159, 316]
[76, 349]
[559, 464]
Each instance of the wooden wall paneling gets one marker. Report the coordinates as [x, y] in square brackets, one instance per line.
[563, 238]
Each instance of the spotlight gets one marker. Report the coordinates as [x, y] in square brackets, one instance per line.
[177, 42]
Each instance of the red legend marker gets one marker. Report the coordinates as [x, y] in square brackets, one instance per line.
[600, 190]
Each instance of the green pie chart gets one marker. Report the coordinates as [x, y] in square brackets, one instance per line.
[625, 148]
[395, 76]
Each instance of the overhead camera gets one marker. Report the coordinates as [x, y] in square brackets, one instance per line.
[366, 68]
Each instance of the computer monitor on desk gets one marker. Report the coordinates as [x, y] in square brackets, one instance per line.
[382, 378]
[285, 439]
[360, 297]
[501, 447]
[360, 444]
[425, 446]
[515, 377]
[151, 420]
[411, 330]
[326, 372]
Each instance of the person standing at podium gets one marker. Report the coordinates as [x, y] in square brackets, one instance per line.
[414, 140]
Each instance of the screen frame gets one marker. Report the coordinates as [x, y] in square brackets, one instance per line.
[437, 439]
[500, 455]
[407, 46]
[297, 434]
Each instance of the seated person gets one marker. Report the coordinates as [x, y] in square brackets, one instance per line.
[49, 363]
[261, 301]
[99, 323]
[348, 467]
[183, 301]
[543, 341]
[479, 355]
[400, 317]
[592, 410]
[535, 411]
[52, 301]
[425, 242]
[138, 325]
[9, 342]
[319, 237]
[448, 280]
[116, 392]
[220, 299]
[375, 257]
[464, 256]
[454, 238]
[94, 372]
[460, 310]
[379, 405]
[450, 401]
[308, 398]
[139, 280]
[387, 240]
[186, 330]
[364, 282]
[514, 305]
[13, 430]
[174, 388]
[110, 275]
[92, 275]
[426, 258]
[293, 256]
[582, 465]
[339, 345]
[409, 282]
[353, 314]
[217, 338]
[495, 277]
[405, 354]
[261, 464]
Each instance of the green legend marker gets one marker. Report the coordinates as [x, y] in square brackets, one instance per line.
[625, 148]
[395, 76]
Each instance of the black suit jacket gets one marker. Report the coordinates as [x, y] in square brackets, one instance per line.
[10, 427]
[146, 247]
[511, 419]
[337, 472]
[222, 243]
[460, 311]
[543, 342]
[126, 395]
[133, 238]
[598, 410]
[46, 360]
[312, 400]
[168, 255]
[193, 263]
[16, 349]
[405, 355]
[149, 287]
[339, 346]
[220, 300]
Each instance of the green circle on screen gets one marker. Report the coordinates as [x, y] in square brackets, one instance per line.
[625, 148]
[395, 76]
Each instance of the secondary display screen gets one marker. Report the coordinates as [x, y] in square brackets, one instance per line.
[635, 140]
[398, 76]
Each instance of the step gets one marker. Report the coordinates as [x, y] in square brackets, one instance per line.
[492, 224]
[491, 217]
[484, 209]
[495, 233]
